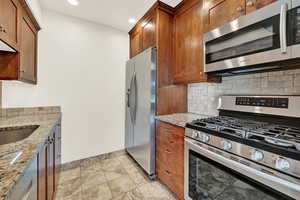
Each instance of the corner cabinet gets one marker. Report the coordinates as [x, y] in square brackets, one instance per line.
[188, 42]
[18, 42]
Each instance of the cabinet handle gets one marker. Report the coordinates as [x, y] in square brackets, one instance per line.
[22, 71]
[240, 9]
[168, 151]
[167, 173]
[249, 4]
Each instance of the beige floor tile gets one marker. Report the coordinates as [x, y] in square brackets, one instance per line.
[121, 185]
[69, 175]
[110, 164]
[151, 191]
[138, 178]
[126, 160]
[75, 196]
[131, 195]
[94, 168]
[69, 188]
[92, 180]
[114, 173]
[97, 192]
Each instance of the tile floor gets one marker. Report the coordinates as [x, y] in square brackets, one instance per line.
[115, 178]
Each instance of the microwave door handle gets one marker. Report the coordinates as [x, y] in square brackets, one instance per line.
[283, 21]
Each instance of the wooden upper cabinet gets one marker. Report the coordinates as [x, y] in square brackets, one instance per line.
[28, 50]
[252, 5]
[148, 32]
[10, 11]
[219, 12]
[18, 29]
[188, 44]
[135, 42]
[143, 35]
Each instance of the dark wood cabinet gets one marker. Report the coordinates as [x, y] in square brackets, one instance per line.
[42, 173]
[28, 50]
[135, 42]
[188, 42]
[252, 5]
[148, 31]
[18, 29]
[170, 157]
[10, 11]
[49, 161]
[155, 29]
[219, 12]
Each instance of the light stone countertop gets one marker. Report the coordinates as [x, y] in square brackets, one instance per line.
[180, 119]
[11, 169]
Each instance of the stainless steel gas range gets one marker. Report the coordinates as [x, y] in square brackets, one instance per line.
[251, 151]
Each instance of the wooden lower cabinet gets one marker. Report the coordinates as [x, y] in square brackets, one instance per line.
[170, 157]
[49, 166]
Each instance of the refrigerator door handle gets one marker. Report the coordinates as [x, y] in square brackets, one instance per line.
[128, 96]
[135, 97]
[129, 99]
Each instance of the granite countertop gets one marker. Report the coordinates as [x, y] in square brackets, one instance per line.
[15, 157]
[180, 119]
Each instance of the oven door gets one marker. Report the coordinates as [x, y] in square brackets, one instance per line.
[211, 174]
[257, 38]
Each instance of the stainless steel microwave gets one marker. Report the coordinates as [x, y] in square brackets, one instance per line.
[264, 39]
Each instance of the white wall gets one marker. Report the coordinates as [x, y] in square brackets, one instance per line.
[82, 68]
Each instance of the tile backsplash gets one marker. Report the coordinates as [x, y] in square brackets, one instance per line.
[203, 97]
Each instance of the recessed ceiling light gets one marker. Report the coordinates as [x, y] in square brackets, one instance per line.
[132, 21]
[74, 2]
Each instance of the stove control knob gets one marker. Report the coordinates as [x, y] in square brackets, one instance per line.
[282, 164]
[226, 145]
[206, 138]
[195, 134]
[257, 156]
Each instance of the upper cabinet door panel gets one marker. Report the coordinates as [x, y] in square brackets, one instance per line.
[219, 12]
[135, 42]
[28, 51]
[9, 18]
[252, 5]
[188, 43]
[148, 28]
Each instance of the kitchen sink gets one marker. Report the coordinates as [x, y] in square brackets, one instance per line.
[14, 134]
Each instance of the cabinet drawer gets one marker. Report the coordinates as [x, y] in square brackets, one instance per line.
[174, 181]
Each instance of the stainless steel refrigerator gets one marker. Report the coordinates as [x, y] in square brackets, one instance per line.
[141, 109]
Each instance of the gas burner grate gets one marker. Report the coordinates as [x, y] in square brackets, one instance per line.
[279, 135]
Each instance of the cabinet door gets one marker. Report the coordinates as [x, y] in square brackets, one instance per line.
[28, 53]
[42, 174]
[50, 168]
[252, 5]
[219, 12]
[9, 22]
[135, 42]
[148, 31]
[189, 63]
[57, 149]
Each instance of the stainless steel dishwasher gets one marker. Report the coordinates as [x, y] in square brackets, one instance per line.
[26, 187]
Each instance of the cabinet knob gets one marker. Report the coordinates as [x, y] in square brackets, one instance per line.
[249, 4]
[240, 9]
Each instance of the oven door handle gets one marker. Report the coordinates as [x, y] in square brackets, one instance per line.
[283, 20]
[287, 187]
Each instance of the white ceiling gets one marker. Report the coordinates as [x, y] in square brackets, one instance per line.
[113, 13]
